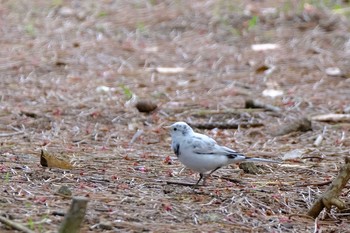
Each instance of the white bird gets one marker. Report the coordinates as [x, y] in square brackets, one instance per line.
[201, 153]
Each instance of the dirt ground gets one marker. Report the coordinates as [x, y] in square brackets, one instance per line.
[72, 71]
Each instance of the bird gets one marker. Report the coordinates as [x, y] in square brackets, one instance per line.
[202, 153]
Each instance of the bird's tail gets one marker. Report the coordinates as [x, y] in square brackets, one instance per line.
[248, 159]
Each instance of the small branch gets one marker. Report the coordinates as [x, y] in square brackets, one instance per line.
[331, 196]
[138, 133]
[58, 213]
[332, 117]
[180, 183]
[233, 180]
[210, 112]
[221, 125]
[11, 134]
[15, 225]
[74, 217]
[314, 184]
[257, 104]
[300, 215]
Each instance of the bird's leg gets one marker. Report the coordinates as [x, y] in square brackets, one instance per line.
[214, 170]
[200, 178]
[204, 177]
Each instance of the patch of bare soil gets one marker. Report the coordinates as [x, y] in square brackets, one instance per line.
[71, 73]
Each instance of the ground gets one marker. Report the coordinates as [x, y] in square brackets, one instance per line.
[72, 71]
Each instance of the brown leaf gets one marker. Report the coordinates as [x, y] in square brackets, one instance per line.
[49, 160]
[261, 69]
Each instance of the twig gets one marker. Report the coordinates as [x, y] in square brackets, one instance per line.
[332, 117]
[314, 184]
[233, 180]
[135, 227]
[75, 216]
[58, 213]
[221, 125]
[257, 104]
[331, 196]
[180, 183]
[206, 112]
[11, 134]
[138, 133]
[300, 215]
[312, 157]
[15, 225]
[320, 137]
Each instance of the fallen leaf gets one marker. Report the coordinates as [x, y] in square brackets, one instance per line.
[261, 69]
[50, 160]
[167, 206]
[168, 160]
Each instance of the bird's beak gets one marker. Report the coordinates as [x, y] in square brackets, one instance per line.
[166, 127]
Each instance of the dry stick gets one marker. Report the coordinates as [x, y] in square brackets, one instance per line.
[192, 184]
[221, 125]
[332, 117]
[258, 104]
[10, 134]
[313, 184]
[206, 112]
[75, 216]
[180, 183]
[15, 225]
[233, 180]
[330, 197]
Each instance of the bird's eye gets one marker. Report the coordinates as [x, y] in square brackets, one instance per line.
[175, 129]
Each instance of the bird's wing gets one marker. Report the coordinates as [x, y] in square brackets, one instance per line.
[203, 144]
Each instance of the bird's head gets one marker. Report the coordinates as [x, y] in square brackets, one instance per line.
[180, 129]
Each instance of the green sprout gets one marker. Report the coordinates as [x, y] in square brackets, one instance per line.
[102, 14]
[127, 92]
[30, 29]
[57, 3]
[30, 223]
[253, 22]
[7, 177]
[141, 28]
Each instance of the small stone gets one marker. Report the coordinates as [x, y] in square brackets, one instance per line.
[105, 226]
[145, 106]
[66, 11]
[333, 71]
[65, 191]
[294, 154]
[347, 109]
[249, 167]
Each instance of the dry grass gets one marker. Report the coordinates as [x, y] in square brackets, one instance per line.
[56, 55]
